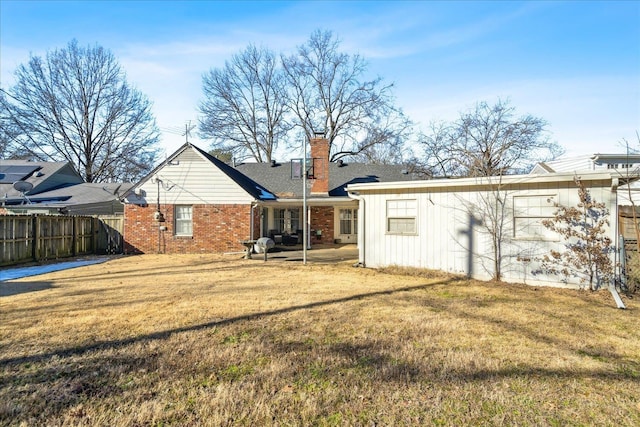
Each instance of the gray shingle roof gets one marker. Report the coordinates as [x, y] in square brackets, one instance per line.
[278, 179]
[45, 176]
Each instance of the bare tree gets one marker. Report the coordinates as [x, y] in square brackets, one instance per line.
[486, 141]
[9, 133]
[76, 105]
[244, 110]
[328, 96]
[6, 130]
[385, 143]
[220, 154]
[494, 222]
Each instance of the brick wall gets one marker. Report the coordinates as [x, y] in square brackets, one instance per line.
[216, 229]
[322, 219]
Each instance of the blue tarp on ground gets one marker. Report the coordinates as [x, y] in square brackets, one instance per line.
[19, 272]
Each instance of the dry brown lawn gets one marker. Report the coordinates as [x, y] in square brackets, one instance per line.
[158, 340]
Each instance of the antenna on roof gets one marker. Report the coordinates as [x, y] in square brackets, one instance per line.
[188, 127]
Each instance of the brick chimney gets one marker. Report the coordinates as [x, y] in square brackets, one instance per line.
[320, 158]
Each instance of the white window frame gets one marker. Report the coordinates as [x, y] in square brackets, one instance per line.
[402, 217]
[180, 223]
[287, 220]
[348, 216]
[528, 213]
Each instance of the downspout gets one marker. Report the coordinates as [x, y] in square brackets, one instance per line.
[615, 182]
[361, 228]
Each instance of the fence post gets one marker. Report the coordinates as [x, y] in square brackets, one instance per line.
[623, 263]
[95, 234]
[35, 224]
[74, 236]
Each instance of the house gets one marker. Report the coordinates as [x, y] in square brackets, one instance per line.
[449, 224]
[621, 165]
[332, 213]
[193, 202]
[28, 187]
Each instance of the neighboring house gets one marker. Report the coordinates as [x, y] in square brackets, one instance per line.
[193, 202]
[54, 188]
[619, 165]
[444, 224]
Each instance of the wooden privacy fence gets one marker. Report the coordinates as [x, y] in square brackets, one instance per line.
[25, 238]
[630, 255]
[631, 264]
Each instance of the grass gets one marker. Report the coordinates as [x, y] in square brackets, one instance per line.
[208, 340]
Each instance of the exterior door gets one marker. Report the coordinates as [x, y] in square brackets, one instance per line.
[347, 225]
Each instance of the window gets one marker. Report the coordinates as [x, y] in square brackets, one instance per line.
[528, 214]
[401, 216]
[294, 220]
[278, 219]
[286, 220]
[184, 221]
[348, 221]
[612, 166]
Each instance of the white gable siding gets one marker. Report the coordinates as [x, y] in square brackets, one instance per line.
[191, 179]
[571, 164]
[592, 162]
[445, 218]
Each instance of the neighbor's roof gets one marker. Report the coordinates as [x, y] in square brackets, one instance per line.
[84, 198]
[43, 176]
[278, 179]
[87, 192]
[586, 162]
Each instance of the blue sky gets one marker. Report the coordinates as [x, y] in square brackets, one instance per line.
[575, 64]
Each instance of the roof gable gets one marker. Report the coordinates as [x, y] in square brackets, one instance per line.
[192, 176]
[247, 184]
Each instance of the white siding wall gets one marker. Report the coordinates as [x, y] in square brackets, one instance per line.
[192, 179]
[444, 220]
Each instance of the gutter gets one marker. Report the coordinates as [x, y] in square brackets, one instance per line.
[469, 183]
[361, 227]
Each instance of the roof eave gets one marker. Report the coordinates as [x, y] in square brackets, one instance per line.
[481, 181]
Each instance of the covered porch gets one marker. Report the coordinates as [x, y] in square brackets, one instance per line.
[328, 221]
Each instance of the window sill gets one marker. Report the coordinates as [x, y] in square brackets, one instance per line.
[391, 233]
[535, 239]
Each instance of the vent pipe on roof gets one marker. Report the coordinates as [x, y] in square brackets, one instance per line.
[273, 163]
